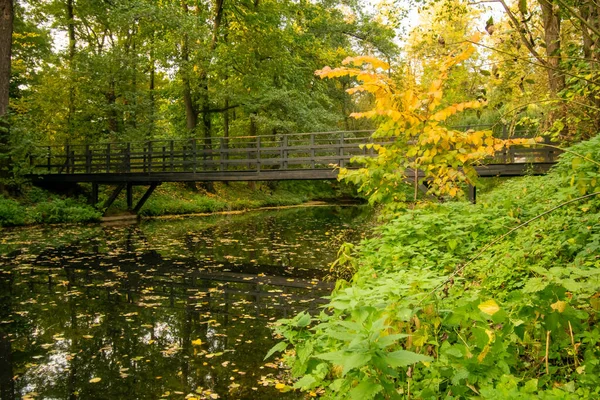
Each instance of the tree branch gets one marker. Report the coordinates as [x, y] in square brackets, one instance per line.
[518, 27]
[579, 17]
[223, 109]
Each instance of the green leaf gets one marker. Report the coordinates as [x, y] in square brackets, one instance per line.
[305, 382]
[347, 360]
[365, 390]
[278, 347]
[386, 341]
[304, 352]
[303, 320]
[403, 358]
[535, 285]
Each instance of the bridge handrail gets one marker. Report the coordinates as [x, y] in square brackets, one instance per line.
[250, 153]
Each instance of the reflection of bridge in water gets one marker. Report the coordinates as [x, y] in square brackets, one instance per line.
[304, 156]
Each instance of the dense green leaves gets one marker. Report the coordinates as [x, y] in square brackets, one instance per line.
[520, 321]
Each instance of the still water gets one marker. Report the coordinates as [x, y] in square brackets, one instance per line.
[168, 309]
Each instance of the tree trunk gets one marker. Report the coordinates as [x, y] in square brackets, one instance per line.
[191, 112]
[6, 28]
[72, 48]
[152, 116]
[204, 98]
[551, 22]
[111, 97]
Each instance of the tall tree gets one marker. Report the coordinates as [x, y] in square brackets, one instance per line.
[6, 29]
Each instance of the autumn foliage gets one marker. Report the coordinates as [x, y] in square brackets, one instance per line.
[411, 129]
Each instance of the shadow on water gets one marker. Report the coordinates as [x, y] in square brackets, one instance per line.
[162, 309]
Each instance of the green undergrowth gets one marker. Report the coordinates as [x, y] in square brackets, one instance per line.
[424, 318]
[175, 199]
[36, 206]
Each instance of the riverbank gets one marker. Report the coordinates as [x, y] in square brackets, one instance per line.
[495, 300]
[36, 206]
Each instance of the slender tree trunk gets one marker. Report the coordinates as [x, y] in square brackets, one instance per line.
[191, 112]
[134, 78]
[204, 98]
[551, 22]
[72, 49]
[591, 13]
[152, 116]
[6, 28]
[111, 97]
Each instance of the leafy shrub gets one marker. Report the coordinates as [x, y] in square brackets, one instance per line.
[427, 315]
[11, 213]
[67, 210]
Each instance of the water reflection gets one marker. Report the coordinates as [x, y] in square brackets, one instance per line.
[163, 309]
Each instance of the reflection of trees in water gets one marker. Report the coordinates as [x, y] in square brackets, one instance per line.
[7, 385]
[85, 286]
[106, 304]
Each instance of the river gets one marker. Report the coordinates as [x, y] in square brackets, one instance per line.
[168, 309]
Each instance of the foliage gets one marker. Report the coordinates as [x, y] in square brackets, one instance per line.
[519, 321]
[172, 199]
[411, 118]
[37, 206]
[11, 213]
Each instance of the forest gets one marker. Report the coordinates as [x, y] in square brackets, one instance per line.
[447, 299]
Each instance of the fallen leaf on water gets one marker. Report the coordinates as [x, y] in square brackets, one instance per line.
[95, 380]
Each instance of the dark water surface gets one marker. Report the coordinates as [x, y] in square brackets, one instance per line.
[162, 309]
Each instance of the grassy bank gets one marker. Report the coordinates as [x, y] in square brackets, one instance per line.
[448, 302]
[36, 206]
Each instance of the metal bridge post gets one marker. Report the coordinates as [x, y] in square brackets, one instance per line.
[129, 196]
[284, 152]
[341, 150]
[312, 150]
[195, 154]
[149, 156]
[88, 159]
[258, 153]
[108, 158]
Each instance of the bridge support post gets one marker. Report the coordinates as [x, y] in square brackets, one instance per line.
[113, 196]
[145, 197]
[129, 196]
[473, 194]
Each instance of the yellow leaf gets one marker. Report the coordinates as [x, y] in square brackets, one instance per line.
[196, 342]
[375, 62]
[559, 306]
[279, 386]
[489, 307]
[95, 380]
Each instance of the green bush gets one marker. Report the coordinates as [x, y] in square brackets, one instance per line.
[430, 315]
[11, 213]
[67, 210]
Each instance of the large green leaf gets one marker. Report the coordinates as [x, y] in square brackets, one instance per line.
[347, 360]
[402, 358]
[365, 390]
[278, 347]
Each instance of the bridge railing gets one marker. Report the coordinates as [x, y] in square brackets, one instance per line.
[316, 150]
[291, 151]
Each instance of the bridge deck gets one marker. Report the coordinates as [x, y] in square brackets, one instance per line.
[260, 158]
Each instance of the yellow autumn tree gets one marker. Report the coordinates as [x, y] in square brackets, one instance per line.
[412, 141]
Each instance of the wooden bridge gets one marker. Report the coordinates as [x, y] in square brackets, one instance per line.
[304, 156]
